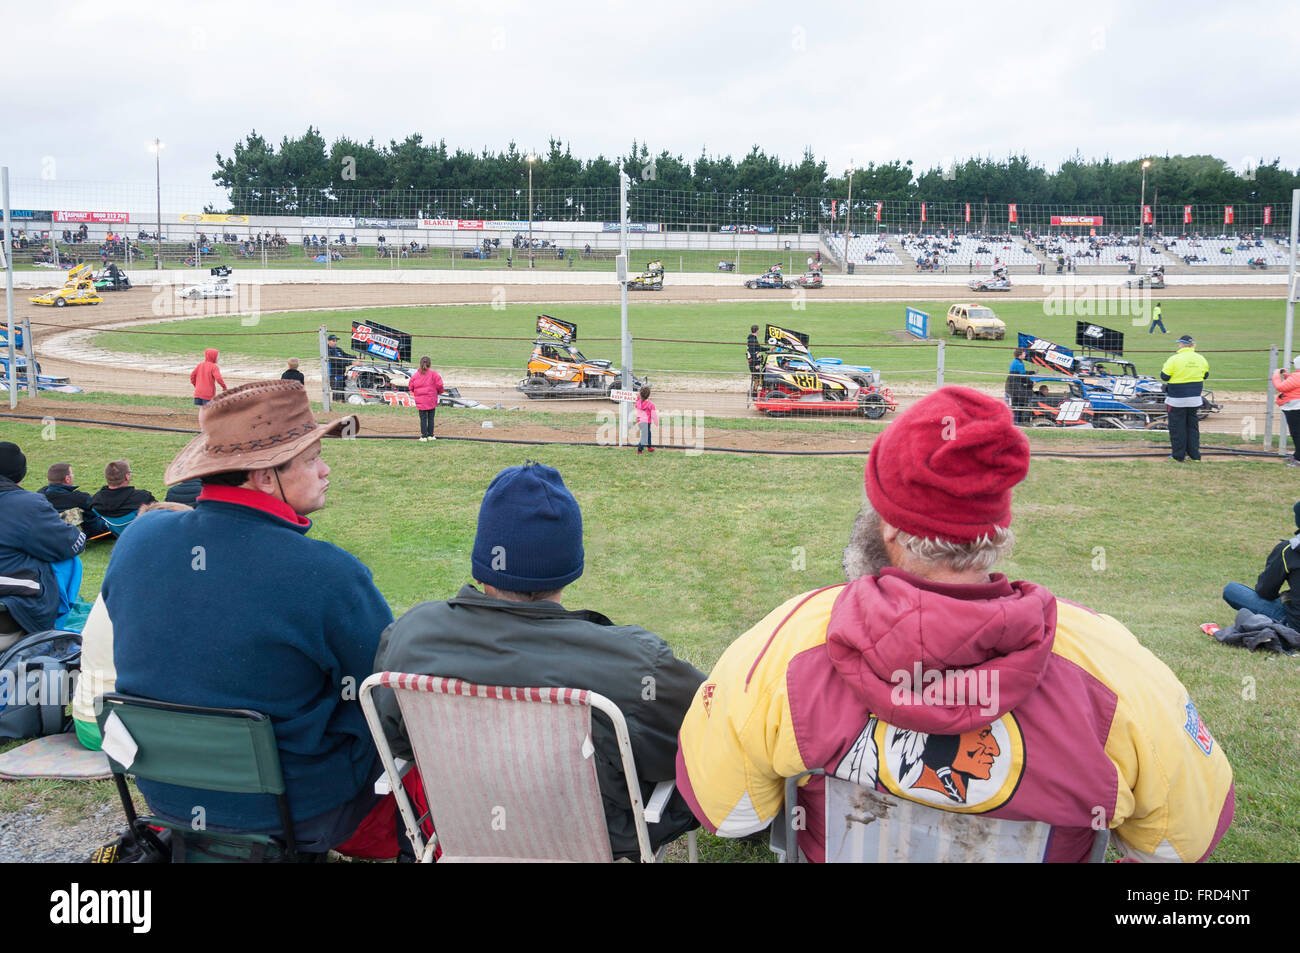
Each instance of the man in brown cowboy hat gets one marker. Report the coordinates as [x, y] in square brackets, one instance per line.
[231, 605]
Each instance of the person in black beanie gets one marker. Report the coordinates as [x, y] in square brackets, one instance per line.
[39, 570]
[516, 632]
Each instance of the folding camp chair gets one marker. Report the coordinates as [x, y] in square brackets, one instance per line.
[115, 524]
[864, 825]
[508, 772]
[230, 750]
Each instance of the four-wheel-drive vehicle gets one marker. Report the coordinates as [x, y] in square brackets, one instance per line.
[111, 278]
[652, 279]
[772, 278]
[975, 321]
[79, 288]
[997, 281]
[1154, 278]
[218, 286]
[558, 369]
[369, 382]
[790, 381]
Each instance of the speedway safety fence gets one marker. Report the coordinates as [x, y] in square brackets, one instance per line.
[135, 204]
[697, 406]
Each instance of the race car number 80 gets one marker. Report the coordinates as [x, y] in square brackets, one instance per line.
[1070, 411]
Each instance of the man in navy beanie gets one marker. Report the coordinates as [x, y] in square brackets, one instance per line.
[515, 632]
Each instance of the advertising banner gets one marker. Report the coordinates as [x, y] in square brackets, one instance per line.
[110, 218]
[1187, 215]
[211, 218]
[1227, 215]
[469, 223]
[1268, 215]
[917, 323]
[388, 223]
[922, 211]
[437, 223]
[381, 341]
[328, 221]
[1080, 220]
[968, 212]
[1011, 213]
[1146, 215]
[879, 207]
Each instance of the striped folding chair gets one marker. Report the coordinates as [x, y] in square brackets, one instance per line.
[508, 773]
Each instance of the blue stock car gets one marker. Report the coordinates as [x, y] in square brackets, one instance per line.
[1069, 402]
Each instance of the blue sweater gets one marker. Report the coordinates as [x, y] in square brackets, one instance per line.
[231, 606]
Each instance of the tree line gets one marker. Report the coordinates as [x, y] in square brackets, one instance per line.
[307, 175]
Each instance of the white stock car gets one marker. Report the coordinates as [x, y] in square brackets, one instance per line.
[218, 286]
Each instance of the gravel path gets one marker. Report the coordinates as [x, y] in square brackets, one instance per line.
[36, 834]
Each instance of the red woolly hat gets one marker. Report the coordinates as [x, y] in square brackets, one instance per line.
[946, 467]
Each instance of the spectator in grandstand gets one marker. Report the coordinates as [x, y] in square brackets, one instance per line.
[40, 574]
[834, 678]
[118, 497]
[205, 377]
[299, 619]
[425, 386]
[517, 632]
[292, 373]
[1287, 385]
[1184, 374]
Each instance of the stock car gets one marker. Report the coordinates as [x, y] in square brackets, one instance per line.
[789, 383]
[367, 382]
[558, 369]
[111, 278]
[975, 321]
[1154, 278]
[43, 381]
[998, 281]
[1068, 402]
[652, 279]
[218, 286]
[79, 288]
[772, 278]
[810, 279]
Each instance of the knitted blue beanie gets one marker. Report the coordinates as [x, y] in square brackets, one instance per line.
[529, 532]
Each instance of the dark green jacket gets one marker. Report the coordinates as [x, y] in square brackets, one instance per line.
[487, 641]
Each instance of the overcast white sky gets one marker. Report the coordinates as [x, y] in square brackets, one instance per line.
[89, 84]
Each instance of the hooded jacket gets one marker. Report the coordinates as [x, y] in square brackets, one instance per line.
[425, 388]
[32, 538]
[995, 698]
[206, 376]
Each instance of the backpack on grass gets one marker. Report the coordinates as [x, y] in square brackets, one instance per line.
[37, 674]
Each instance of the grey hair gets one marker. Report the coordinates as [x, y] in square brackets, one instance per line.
[866, 554]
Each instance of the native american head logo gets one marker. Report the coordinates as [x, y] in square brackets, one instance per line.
[973, 772]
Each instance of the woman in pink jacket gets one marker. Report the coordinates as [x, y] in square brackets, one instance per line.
[646, 414]
[425, 387]
[1287, 386]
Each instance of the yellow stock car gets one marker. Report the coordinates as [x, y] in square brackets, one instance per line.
[66, 296]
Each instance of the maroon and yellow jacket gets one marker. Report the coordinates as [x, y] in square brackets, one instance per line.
[994, 699]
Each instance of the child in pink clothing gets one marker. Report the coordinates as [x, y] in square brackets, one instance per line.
[646, 414]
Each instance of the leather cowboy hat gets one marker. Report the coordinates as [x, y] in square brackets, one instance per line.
[253, 427]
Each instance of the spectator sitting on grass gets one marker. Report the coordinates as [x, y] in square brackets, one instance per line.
[118, 497]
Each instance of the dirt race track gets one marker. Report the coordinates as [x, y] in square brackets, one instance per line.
[135, 374]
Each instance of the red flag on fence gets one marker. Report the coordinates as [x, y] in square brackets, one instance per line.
[1268, 215]
[968, 211]
[923, 211]
[1227, 215]
[1146, 215]
[833, 203]
[1011, 212]
[1187, 215]
[879, 206]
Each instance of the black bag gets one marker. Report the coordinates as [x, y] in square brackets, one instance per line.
[36, 681]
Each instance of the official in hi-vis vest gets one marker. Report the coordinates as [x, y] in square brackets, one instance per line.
[1157, 319]
[1184, 374]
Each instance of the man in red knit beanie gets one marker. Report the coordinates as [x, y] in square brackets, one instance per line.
[927, 680]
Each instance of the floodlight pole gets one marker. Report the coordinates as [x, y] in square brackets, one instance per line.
[157, 174]
[848, 217]
[531, 160]
[1292, 291]
[1142, 205]
[8, 286]
[624, 408]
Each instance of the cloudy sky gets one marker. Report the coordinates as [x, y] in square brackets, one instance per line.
[89, 84]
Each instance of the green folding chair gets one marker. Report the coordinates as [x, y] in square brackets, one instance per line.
[228, 750]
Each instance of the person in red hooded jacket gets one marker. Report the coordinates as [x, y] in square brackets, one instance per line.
[206, 377]
[425, 386]
[936, 682]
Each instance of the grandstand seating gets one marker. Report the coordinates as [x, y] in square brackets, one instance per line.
[971, 250]
[866, 249]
